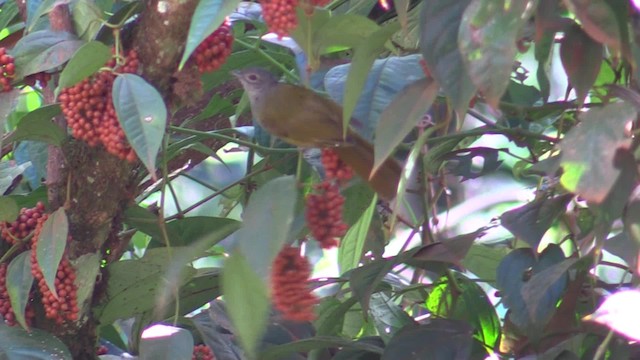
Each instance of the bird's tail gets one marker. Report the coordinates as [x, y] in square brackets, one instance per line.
[360, 157]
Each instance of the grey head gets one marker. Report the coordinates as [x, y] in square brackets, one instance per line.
[256, 82]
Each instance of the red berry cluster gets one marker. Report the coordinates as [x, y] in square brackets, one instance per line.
[65, 306]
[5, 304]
[90, 113]
[202, 352]
[334, 167]
[23, 225]
[280, 16]
[41, 77]
[7, 70]
[291, 294]
[215, 49]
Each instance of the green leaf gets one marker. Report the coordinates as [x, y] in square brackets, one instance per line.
[465, 300]
[163, 342]
[85, 62]
[208, 16]
[43, 50]
[51, 245]
[8, 209]
[8, 13]
[245, 294]
[364, 280]
[439, 24]
[44, 8]
[304, 33]
[331, 314]
[37, 126]
[388, 316]
[581, 58]
[598, 20]
[341, 32]
[352, 244]
[266, 222]
[19, 281]
[589, 151]
[16, 343]
[402, 116]
[487, 41]
[87, 18]
[451, 250]
[483, 261]
[87, 268]
[318, 342]
[196, 293]
[142, 115]
[365, 54]
[440, 339]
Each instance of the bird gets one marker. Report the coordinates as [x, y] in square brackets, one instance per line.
[304, 118]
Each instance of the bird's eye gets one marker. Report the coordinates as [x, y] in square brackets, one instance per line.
[252, 77]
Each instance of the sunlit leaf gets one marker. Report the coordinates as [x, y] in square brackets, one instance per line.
[85, 61]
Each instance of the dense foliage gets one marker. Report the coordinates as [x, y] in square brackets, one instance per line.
[144, 211]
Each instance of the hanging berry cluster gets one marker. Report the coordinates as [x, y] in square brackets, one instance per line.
[6, 311]
[7, 70]
[65, 306]
[202, 352]
[280, 15]
[215, 49]
[291, 294]
[324, 205]
[88, 108]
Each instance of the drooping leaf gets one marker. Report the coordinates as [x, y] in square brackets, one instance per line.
[142, 115]
[352, 245]
[536, 289]
[531, 221]
[246, 299]
[364, 55]
[466, 301]
[449, 251]
[51, 245]
[166, 342]
[440, 339]
[8, 209]
[589, 149]
[43, 50]
[19, 281]
[85, 61]
[208, 16]
[87, 19]
[364, 280]
[267, 220]
[439, 24]
[581, 57]
[388, 317]
[37, 344]
[598, 20]
[37, 126]
[518, 267]
[487, 42]
[402, 116]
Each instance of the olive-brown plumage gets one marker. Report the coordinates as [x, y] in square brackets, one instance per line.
[304, 118]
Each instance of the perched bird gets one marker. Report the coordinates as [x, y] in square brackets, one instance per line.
[304, 118]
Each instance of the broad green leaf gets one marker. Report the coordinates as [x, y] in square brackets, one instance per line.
[44, 8]
[439, 24]
[514, 271]
[51, 245]
[8, 13]
[142, 115]
[530, 222]
[85, 62]
[208, 16]
[466, 301]
[318, 342]
[439, 339]
[388, 316]
[196, 293]
[87, 19]
[266, 222]
[487, 42]
[163, 342]
[87, 269]
[19, 281]
[37, 126]
[589, 150]
[483, 261]
[364, 280]
[365, 54]
[581, 58]
[331, 315]
[598, 20]
[43, 50]
[352, 244]
[402, 116]
[17, 343]
[246, 299]
[341, 32]
[8, 209]
[304, 33]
